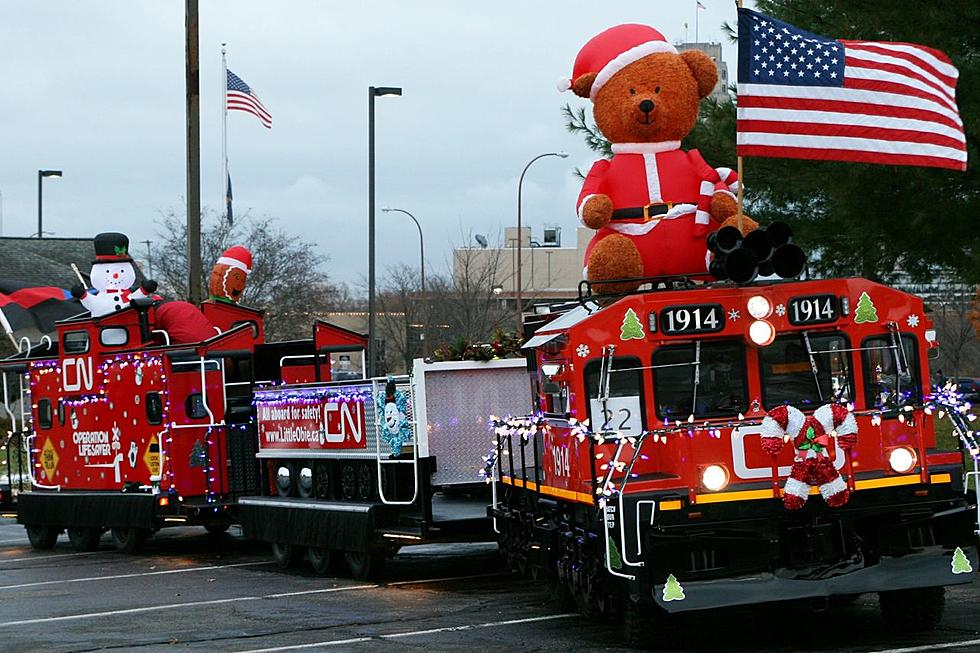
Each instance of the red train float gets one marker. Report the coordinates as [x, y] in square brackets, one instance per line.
[649, 478]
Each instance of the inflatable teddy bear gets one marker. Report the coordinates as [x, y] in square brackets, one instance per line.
[652, 204]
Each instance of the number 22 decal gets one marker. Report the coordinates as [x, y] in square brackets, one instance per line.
[623, 425]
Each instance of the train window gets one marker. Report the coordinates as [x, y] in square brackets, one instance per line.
[61, 413]
[44, 416]
[114, 336]
[721, 389]
[624, 405]
[154, 408]
[789, 378]
[75, 342]
[891, 374]
[195, 406]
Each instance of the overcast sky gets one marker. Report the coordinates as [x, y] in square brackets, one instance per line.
[96, 88]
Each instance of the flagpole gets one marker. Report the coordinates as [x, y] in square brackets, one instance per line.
[8, 330]
[741, 179]
[696, 3]
[224, 131]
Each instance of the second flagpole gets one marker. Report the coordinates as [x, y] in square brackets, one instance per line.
[224, 132]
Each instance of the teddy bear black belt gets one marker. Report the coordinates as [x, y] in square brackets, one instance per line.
[645, 212]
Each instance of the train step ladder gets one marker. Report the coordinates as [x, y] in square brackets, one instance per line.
[378, 388]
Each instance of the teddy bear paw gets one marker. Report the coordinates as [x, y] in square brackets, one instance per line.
[597, 211]
[747, 224]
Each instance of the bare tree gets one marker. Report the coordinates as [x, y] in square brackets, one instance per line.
[457, 306]
[287, 279]
[959, 351]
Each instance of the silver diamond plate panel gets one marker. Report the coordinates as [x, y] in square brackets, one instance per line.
[458, 406]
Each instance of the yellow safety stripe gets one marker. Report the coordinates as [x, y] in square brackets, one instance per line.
[547, 489]
[740, 495]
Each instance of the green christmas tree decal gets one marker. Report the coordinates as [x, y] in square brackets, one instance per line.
[673, 590]
[632, 328]
[865, 311]
[961, 564]
[615, 561]
[198, 454]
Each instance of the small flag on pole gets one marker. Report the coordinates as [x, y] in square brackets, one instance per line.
[804, 96]
[228, 212]
[241, 97]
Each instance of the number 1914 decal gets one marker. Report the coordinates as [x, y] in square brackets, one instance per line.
[813, 309]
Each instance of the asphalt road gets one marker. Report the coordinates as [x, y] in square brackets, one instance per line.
[192, 592]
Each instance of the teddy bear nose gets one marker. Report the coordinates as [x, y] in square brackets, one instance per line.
[646, 106]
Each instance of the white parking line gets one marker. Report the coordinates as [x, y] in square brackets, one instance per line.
[236, 599]
[412, 633]
[42, 556]
[931, 647]
[139, 575]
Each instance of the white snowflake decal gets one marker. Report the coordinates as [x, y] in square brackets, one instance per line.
[582, 351]
[733, 315]
[912, 320]
[780, 310]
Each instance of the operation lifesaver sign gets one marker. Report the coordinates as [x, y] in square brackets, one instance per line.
[330, 423]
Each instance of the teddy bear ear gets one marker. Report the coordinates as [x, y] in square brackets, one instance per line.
[704, 70]
[582, 86]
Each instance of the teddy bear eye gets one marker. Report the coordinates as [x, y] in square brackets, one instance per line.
[656, 90]
[632, 91]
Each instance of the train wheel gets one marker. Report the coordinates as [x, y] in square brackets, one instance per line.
[304, 480]
[286, 555]
[365, 481]
[129, 540]
[42, 537]
[285, 479]
[348, 482]
[913, 609]
[323, 559]
[322, 480]
[85, 539]
[365, 565]
[217, 529]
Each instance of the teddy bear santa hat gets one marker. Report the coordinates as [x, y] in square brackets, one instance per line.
[612, 50]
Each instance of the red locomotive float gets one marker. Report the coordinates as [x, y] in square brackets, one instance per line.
[652, 480]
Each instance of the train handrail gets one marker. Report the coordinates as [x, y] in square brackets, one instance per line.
[30, 466]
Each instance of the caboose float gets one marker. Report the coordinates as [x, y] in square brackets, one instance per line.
[130, 431]
[695, 447]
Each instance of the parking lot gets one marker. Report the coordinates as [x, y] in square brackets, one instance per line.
[192, 591]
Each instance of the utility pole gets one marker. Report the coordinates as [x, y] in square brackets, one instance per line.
[192, 83]
[149, 263]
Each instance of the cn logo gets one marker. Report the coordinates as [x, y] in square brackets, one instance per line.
[76, 374]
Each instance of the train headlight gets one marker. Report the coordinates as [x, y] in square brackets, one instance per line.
[762, 333]
[902, 459]
[759, 307]
[714, 477]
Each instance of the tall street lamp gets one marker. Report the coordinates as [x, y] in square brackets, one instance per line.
[41, 174]
[422, 264]
[373, 92]
[520, 239]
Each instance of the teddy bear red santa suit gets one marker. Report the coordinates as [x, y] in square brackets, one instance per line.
[661, 195]
[112, 276]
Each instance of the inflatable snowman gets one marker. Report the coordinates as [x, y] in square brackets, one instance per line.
[112, 276]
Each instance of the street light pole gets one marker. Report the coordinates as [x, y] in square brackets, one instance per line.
[41, 174]
[520, 239]
[373, 92]
[425, 346]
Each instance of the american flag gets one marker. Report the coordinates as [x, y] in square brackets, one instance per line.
[804, 96]
[241, 97]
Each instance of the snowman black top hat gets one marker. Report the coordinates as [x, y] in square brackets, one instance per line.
[111, 247]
